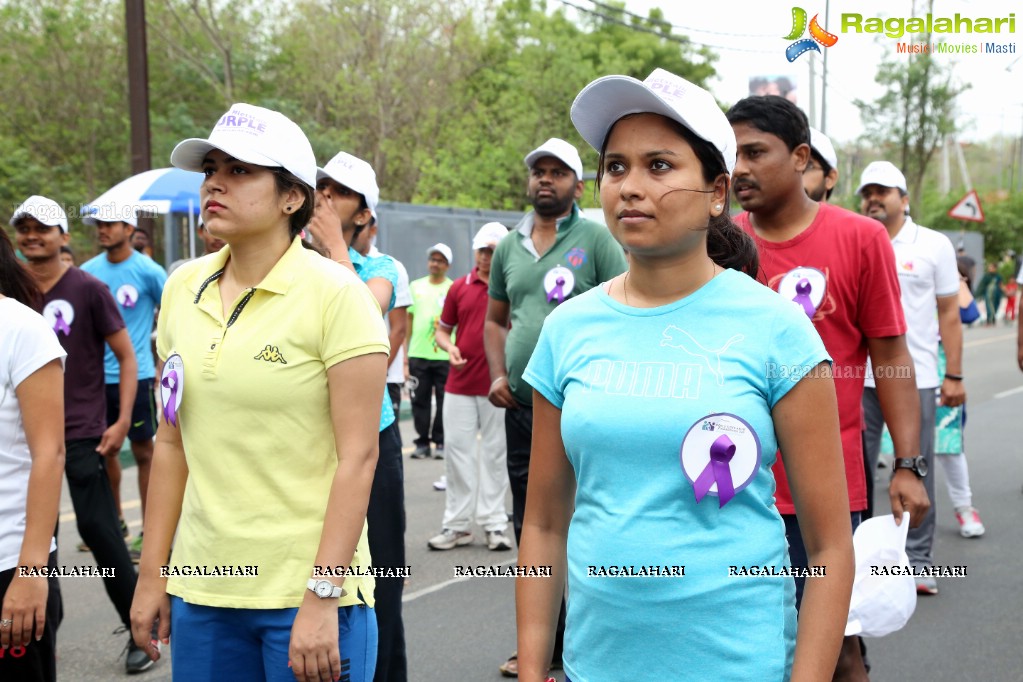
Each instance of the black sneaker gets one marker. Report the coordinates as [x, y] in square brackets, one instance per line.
[136, 660]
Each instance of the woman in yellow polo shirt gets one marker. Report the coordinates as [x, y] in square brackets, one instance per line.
[264, 460]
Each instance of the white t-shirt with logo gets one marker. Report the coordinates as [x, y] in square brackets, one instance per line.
[925, 261]
[402, 299]
[26, 344]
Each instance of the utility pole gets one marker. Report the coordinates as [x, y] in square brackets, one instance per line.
[138, 85]
[824, 80]
[813, 91]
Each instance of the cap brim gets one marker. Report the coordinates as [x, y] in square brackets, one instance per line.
[322, 173]
[879, 183]
[189, 154]
[49, 223]
[538, 154]
[601, 103]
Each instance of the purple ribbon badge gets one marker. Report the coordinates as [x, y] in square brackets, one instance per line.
[558, 292]
[61, 325]
[717, 471]
[558, 283]
[170, 405]
[802, 297]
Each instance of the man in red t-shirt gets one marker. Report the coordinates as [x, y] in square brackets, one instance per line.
[839, 268]
[477, 478]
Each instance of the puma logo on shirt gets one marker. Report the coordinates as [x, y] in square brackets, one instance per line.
[678, 338]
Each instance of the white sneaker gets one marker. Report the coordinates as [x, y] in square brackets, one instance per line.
[449, 539]
[497, 541]
[970, 525]
[441, 483]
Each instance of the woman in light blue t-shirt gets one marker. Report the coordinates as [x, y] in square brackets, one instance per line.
[660, 400]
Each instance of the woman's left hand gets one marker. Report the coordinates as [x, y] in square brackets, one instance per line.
[25, 604]
[313, 652]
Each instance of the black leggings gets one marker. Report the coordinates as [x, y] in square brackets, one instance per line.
[38, 661]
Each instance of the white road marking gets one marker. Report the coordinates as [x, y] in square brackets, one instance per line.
[982, 342]
[410, 596]
[1011, 391]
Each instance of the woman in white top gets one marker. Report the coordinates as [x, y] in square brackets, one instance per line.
[31, 467]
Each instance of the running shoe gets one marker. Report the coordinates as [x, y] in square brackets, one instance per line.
[497, 541]
[449, 539]
[441, 483]
[970, 525]
[135, 659]
[926, 585]
[135, 549]
[421, 452]
[438, 452]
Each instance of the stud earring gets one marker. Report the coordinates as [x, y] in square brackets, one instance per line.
[718, 207]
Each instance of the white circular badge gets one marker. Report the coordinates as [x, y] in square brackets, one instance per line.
[127, 295]
[172, 387]
[805, 287]
[558, 283]
[59, 314]
[720, 455]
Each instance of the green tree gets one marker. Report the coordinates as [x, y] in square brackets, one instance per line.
[533, 63]
[376, 79]
[915, 113]
[204, 57]
[63, 132]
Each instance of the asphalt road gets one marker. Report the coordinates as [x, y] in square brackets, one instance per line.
[462, 629]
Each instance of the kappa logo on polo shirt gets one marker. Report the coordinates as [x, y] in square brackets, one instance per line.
[270, 354]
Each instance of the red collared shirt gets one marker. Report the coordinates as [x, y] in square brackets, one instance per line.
[465, 309]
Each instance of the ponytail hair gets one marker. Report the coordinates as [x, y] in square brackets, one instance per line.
[15, 281]
[727, 244]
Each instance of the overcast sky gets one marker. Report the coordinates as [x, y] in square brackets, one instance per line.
[748, 35]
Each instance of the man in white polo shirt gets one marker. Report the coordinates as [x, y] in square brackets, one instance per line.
[821, 173]
[926, 264]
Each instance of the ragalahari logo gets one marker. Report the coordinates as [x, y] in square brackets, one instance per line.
[817, 35]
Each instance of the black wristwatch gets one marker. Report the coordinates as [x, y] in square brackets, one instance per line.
[918, 465]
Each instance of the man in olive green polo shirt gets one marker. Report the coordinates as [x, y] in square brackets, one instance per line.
[553, 254]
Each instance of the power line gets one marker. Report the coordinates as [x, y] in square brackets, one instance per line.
[679, 26]
[665, 36]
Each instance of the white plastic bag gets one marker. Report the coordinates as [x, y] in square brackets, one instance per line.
[881, 604]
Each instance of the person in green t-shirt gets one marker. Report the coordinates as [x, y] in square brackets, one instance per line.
[427, 363]
[552, 255]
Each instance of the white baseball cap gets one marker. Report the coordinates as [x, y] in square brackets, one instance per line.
[355, 174]
[560, 150]
[254, 135]
[488, 236]
[111, 212]
[882, 173]
[822, 145]
[601, 103]
[442, 249]
[46, 211]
